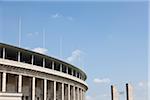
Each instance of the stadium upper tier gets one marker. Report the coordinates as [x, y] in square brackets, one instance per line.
[34, 58]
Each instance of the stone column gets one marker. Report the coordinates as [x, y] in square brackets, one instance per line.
[20, 84]
[75, 73]
[74, 93]
[53, 65]
[68, 92]
[32, 59]
[45, 89]
[66, 69]
[54, 90]
[81, 94]
[62, 91]
[43, 62]
[4, 82]
[71, 71]
[33, 88]
[3, 53]
[19, 56]
[60, 67]
[78, 94]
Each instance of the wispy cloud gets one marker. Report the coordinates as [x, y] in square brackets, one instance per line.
[40, 50]
[101, 81]
[33, 33]
[59, 15]
[75, 56]
[56, 15]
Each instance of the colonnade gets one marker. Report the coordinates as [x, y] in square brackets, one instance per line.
[59, 90]
[73, 72]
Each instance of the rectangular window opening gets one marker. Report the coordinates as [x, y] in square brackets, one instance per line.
[48, 63]
[11, 54]
[38, 61]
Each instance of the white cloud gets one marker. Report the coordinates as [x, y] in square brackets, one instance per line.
[33, 33]
[40, 50]
[56, 15]
[102, 81]
[59, 15]
[75, 56]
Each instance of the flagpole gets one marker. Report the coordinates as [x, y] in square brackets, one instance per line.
[19, 32]
[43, 37]
[60, 48]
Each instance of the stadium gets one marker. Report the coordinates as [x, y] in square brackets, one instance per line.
[28, 75]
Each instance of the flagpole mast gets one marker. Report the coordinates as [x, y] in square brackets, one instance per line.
[19, 32]
[60, 48]
[43, 37]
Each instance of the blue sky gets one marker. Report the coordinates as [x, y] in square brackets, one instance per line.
[108, 40]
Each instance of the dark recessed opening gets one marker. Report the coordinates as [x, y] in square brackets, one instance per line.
[78, 74]
[11, 54]
[48, 63]
[1, 52]
[74, 73]
[64, 69]
[25, 57]
[57, 66]
[69, 71]
[38, 61]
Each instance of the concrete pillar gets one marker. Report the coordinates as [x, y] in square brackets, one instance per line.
[53, 63]
[43, 62]
[4, 82]
[74, 93]
[81, 94]
[20, 84]
[19, 56]
[75, 73]
[129, 92]
[32, 60]
[68, 92]
[45, 89]
[114, 93]
[54, 90]
[78, 98]
[50, 90]
[66, 69]
[60, 67]
[33, 88]
[4, 53]
[62, 91]
[71, 71]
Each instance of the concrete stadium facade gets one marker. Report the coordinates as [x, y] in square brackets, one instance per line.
[27, 75]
